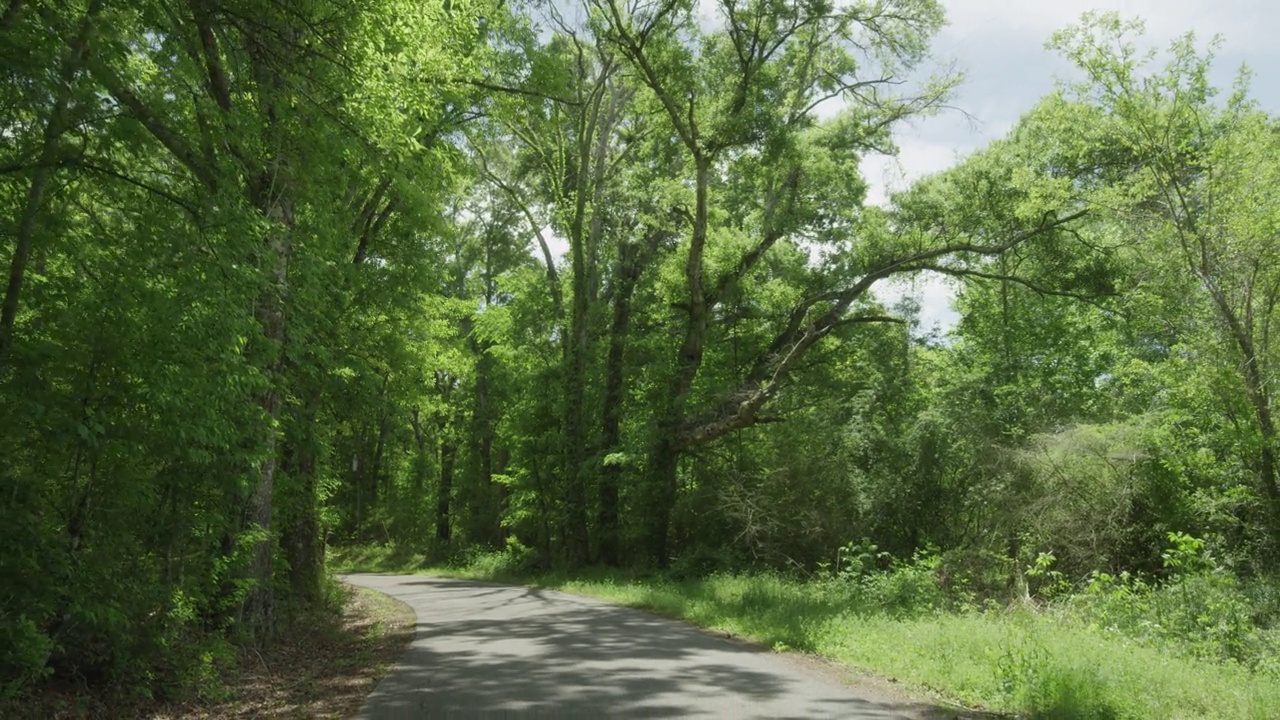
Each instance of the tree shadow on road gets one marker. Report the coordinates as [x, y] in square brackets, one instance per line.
[488, 650]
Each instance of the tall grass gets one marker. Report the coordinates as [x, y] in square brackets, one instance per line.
[1026, 661]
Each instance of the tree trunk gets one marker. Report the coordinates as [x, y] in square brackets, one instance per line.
[663, 473]
[609, 531]
[421, 467]
[259, 606]
[444, 492]
[1260, 398]
[631, 261]
[300, 536]
[377, 486]
[575, 496]
[259, 610]
[595, 127]
[664, 455]
[578, 347]
[271, 194]
[1256, 389]
[489, 515]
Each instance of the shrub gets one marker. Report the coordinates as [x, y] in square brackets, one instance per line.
[899, 588]
[1201, 608]
[24, 654]
[1063, 693]
[515, 560]
[702, 561]
[909, 588]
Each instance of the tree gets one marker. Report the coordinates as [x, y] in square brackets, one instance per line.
[214, 205]
[761, 167]
[1199, 181]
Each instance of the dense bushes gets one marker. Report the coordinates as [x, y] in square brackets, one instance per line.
[1204, 613]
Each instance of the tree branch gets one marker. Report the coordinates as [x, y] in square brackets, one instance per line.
[553, 277]
[116, 174]
[181, 150]
[1030, 285]
[771, 367]
[219, 86]
[493, 87]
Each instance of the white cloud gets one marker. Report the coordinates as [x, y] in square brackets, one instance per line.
[920, 155]
[934, 294]
[999, 45]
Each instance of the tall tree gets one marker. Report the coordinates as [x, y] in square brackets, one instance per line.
[1200, 181]
[214, 207]
[760, 166]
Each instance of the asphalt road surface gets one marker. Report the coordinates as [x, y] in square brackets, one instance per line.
[497, 651]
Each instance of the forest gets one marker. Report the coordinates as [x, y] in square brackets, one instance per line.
[598, 285]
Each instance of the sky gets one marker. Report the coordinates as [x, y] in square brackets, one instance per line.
[999, 46]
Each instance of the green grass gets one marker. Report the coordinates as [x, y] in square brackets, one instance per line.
[1024, 661]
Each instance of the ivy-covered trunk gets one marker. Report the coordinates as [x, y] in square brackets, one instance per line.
[259, 611]
[300, 534]
[271, 192]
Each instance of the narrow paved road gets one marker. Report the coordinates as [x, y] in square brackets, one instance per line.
[497, 651]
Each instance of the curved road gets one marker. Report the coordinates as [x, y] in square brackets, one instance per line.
[499, 651]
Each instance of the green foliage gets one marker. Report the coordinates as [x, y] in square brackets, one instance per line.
[297, 285]
[515, 560]
[1049, 582]
[1204, 613]
[878, 582]
[26, 654]
[374, 558]
[192, 320]
[1068, 693]
[909, 588]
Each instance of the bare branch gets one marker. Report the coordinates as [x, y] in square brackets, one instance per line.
[494, 87]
